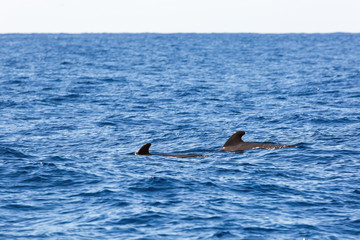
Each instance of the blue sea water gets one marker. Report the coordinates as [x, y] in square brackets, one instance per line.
[75, 108]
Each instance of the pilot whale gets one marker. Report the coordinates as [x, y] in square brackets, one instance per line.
[235, 143]
[144, 150]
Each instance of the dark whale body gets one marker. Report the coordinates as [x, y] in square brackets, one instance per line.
[144, 150]
[235, 143]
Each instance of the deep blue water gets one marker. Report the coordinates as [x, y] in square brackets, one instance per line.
[75, 108]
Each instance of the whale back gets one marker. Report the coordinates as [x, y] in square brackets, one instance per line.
[235, 143]
[144, 150]
[235, 139]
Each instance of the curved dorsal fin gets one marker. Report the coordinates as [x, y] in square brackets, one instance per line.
[144, 150]
[235, 139]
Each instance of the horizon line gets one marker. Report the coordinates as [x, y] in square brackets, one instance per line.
[150, 32]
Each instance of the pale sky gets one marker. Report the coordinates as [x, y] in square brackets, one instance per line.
[169, 16]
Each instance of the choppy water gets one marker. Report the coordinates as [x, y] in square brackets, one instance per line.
[75, 108]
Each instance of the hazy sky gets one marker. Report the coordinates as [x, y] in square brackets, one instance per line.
[164, 16]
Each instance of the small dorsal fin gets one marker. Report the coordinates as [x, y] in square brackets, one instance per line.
[144, 150]
[235, 139]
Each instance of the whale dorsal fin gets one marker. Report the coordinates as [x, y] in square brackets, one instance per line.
[235, 139]
[144, 150]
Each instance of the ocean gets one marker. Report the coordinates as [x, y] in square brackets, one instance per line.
[74, 108]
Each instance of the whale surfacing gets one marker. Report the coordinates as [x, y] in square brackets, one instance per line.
[235, 143]
[144, 150]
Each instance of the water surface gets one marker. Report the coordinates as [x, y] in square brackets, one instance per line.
[75, 108]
